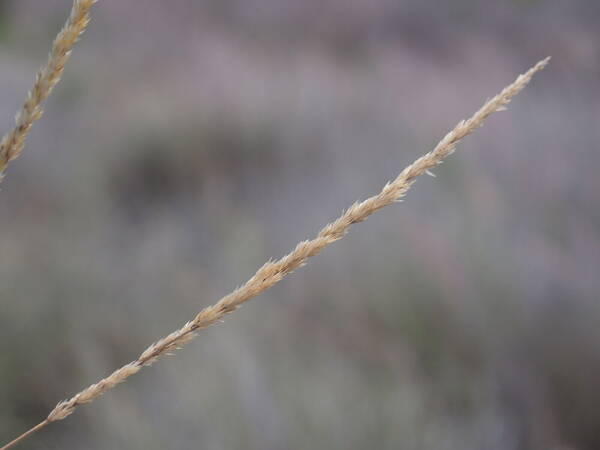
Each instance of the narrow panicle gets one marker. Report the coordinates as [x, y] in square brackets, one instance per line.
[273, 271]
[47, 77]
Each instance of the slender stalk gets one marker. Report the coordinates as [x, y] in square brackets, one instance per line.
[47, 77]
[273, 271]
[14, 442]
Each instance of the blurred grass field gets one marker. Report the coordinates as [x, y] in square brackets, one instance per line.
[190, 141]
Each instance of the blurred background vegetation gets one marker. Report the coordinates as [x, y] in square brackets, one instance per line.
[190, 141]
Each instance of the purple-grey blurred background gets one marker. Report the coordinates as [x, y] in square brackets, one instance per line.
[191, 140]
